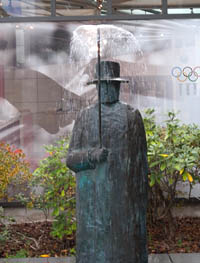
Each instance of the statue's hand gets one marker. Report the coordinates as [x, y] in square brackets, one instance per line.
[98, 155]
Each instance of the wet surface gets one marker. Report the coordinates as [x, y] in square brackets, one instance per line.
[159, 258]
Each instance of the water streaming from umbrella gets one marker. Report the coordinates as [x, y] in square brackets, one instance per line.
[107, 42]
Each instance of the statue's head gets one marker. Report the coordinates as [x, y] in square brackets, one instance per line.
[109, 81]
[110, 91]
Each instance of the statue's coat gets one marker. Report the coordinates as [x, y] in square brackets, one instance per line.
[112, 197]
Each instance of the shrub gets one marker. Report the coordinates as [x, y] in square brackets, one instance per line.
[14, 168]
[173, 157]
[4, 226]
[58, 184]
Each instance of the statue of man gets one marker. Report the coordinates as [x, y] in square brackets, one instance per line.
[112, 180]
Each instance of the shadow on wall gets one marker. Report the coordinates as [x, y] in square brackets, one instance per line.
[35, 111]
[38, 99]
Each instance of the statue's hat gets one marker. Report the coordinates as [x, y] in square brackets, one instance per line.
[109, 71]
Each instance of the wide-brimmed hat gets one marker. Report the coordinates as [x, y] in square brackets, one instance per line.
[109, 72]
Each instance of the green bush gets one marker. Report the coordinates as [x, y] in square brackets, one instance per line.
[173, 157]
[14, 168]
[58, 184]
[4, 226]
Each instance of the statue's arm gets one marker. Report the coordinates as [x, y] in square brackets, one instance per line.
[80, 158]
[140, 133]
[86, 159]
[142, 147]
[79, 161]
[138, 147]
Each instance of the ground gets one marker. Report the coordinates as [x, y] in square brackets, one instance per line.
[34, 239]
[185, 240]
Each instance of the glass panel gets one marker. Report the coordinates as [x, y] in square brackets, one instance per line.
[45, 68]
[80, 7]
[183, 10]
[143, 7]
[25, 8]
[166, 52]
[39, 96]
[183, 7]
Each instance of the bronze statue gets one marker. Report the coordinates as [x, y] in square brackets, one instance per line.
[112, 180]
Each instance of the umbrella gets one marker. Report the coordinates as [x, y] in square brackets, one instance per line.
[107, 42]
[115, 43]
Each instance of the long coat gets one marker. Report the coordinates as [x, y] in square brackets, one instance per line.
[112, 195]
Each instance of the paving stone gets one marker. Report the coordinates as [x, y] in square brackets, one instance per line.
[153, 258]
[159, 258]
[185, 258]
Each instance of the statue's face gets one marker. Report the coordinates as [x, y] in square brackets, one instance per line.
[110, 91]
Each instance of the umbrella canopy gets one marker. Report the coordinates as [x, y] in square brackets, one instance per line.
[104, 42]
[115, 43]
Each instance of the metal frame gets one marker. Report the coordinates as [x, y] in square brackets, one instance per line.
[164, 7]
[53, 8]
[107, 17]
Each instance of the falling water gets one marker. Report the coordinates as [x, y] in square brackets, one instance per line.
[146, 51]
[116, 44]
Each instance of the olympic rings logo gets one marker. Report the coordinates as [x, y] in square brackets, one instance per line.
[186, 73]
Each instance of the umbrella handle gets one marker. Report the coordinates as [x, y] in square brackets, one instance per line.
[99, 84]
